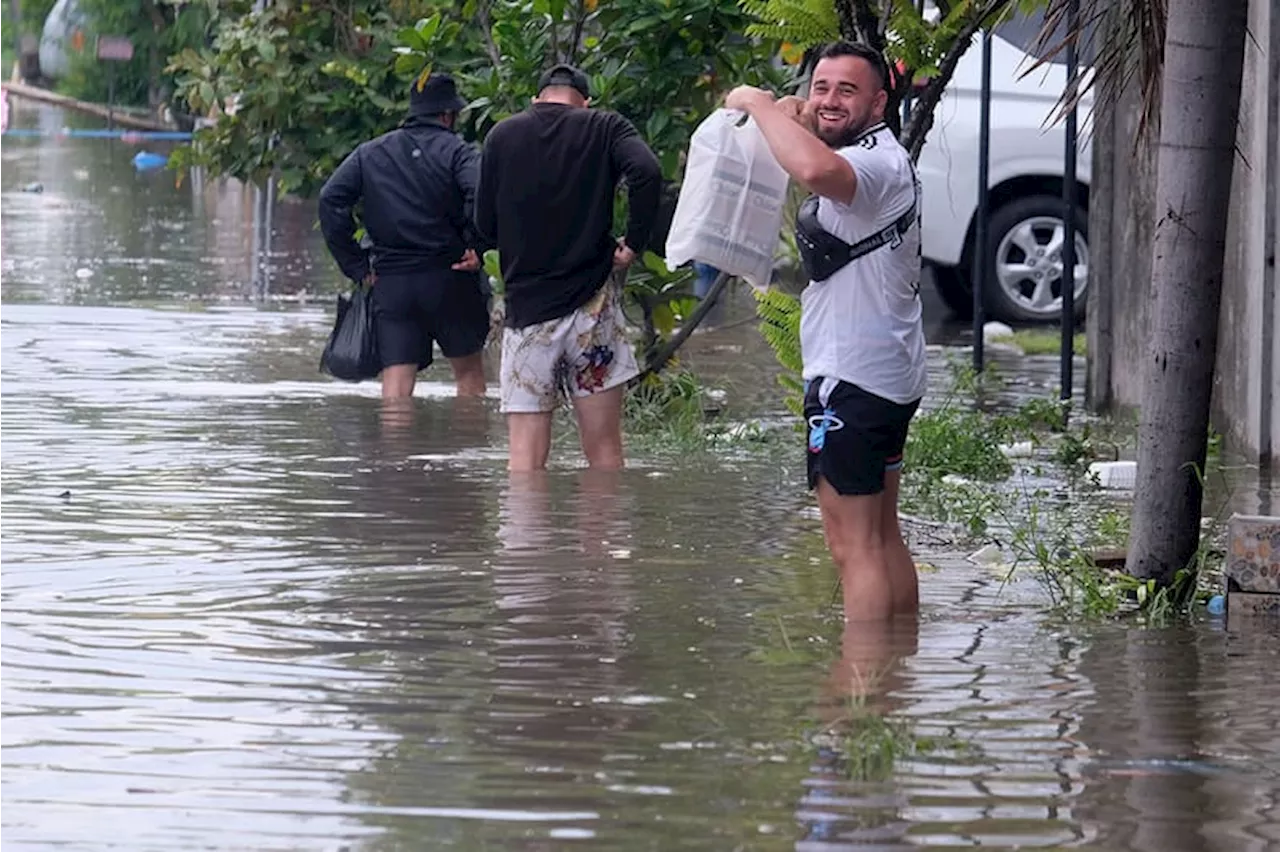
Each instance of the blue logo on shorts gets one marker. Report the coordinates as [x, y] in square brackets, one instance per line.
[818, 426]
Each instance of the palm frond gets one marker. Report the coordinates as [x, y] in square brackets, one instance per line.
[1125, 39]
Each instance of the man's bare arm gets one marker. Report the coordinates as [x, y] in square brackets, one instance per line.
[801, 154]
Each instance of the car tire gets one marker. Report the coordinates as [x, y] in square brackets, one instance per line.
[1024, 275]
[954, 288]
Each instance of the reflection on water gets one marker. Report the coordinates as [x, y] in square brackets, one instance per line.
[102, 232]
[247, 607]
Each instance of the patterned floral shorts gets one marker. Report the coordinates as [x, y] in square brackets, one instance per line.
[584, 353]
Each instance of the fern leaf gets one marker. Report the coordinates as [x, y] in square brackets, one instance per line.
[803, 23]
[779, 314]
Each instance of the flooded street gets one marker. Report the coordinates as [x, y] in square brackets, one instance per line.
[244, 607]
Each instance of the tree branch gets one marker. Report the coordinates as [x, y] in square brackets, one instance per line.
[868, 25]
[486, 30]
[922, 113]
[659, 359]
[578, 26]
[847, 15]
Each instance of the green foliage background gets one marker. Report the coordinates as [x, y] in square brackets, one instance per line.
[310, 83]
[32, 12]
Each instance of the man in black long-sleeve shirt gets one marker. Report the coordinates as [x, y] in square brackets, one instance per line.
[547, 181]
[417, 184]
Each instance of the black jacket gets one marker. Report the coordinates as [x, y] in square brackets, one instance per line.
[418, 185]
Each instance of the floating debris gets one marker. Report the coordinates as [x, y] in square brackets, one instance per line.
[145, 161]
[1115, 475]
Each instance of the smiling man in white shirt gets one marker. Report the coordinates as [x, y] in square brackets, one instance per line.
[860, 330]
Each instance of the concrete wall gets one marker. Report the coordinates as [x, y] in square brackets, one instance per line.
[1121, 230]
[1246, 407]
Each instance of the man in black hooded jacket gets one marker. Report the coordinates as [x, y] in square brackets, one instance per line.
[417, 188]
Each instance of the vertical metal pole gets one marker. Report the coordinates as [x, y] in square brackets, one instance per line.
[268, 223]
[260, 202]
[1068, 286]
[111, 95]
[197, 190]
[981, 264]
[255, 249]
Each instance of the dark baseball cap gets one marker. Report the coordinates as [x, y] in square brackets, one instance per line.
[565, 75]
[437, 94]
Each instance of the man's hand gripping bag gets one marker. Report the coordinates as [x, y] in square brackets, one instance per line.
[729, 213]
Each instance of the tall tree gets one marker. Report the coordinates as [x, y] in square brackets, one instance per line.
[1199, 107]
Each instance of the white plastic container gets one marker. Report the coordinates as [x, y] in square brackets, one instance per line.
[729, 213]
[1116, 475]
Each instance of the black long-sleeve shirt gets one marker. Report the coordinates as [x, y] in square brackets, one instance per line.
[417, 184]
[547, 182]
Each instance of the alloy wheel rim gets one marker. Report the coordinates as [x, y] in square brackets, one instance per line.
[1029, 265]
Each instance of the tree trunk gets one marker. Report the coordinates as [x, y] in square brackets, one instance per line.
[1203, 61]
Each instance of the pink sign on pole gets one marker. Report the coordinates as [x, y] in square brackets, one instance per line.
[114, 48]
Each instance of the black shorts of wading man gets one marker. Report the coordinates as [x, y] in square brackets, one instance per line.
[414, 311]
[853, 437]
[415, 188]
[861, 334]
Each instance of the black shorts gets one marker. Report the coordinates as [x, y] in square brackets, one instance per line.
[414, 310]
[853, 436]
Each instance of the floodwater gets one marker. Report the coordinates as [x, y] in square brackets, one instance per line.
[246, 608]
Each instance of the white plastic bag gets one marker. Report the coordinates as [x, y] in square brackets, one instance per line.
[729, 213]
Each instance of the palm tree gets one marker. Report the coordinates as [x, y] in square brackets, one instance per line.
[1188, 56]
[1199, 108]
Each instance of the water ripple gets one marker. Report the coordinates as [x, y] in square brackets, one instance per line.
[242, 608]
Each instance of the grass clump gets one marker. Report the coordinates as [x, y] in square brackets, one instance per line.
[672, 403]
[953, 441]
[865, 744]
[1070, 535]
[674, 412]
[1042, 341]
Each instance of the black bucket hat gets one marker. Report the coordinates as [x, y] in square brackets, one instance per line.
[438, 95]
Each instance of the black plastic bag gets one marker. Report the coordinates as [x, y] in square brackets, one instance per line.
[352, 351]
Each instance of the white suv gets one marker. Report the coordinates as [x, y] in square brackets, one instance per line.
[1024, 282]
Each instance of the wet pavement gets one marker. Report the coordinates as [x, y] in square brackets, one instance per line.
[245, 607]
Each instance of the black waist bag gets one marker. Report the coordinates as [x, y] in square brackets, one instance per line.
[823, 254]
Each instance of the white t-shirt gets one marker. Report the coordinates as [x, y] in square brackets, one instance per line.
[862, 325]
